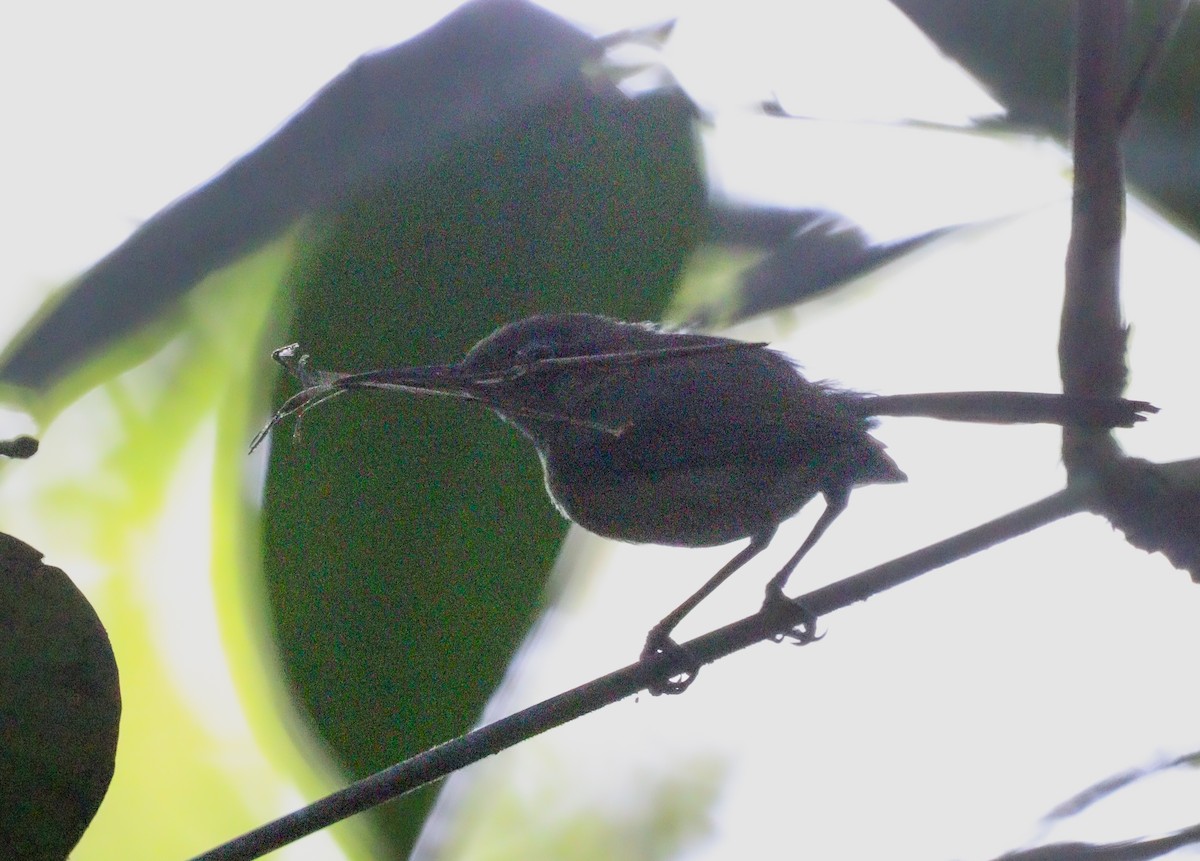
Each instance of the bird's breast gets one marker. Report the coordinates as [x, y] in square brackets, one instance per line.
[688, 507]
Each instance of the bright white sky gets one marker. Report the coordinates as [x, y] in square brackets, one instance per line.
[114, 109]
[132, 103]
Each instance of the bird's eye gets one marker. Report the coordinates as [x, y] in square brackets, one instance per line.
[535, 352]
[526, 358]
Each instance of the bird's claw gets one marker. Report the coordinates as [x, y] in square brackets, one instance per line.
[801, 633]
[660, 644]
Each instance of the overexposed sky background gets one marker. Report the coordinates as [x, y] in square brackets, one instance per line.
[113, 110]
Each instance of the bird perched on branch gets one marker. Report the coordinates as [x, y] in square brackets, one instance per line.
[655, 436]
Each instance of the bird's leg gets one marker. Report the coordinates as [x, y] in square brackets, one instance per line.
[662, 631]
[659, 641]
[805, 632]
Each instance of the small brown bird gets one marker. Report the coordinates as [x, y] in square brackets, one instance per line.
[653, 436]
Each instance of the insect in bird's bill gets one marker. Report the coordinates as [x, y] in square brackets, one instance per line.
[656, 436]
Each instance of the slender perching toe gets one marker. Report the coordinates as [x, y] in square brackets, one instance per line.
[797, 623]
[658, 645]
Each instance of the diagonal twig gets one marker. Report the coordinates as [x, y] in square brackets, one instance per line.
[771, 623]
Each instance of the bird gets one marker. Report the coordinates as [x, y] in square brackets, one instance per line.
[652, 435]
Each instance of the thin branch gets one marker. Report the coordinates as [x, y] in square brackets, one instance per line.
[774, 622]
[1155, 505]
[1141, 849]
[1109, 786]
[1092, 336]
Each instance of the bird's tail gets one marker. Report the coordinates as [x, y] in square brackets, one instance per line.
[1008, 408]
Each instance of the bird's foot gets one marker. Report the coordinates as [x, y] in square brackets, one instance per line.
[660, 646]
[800, 622]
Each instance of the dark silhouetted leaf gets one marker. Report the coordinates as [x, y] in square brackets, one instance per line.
[60, 705]
[822, 250]
[388, 115]
[408, 540]
[1022, 52]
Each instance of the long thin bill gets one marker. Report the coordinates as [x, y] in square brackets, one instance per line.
[429, 380]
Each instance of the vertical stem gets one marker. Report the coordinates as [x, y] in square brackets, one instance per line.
[1092, 338]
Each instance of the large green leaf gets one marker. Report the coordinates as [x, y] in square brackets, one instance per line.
[474, 174]
[408, 541]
